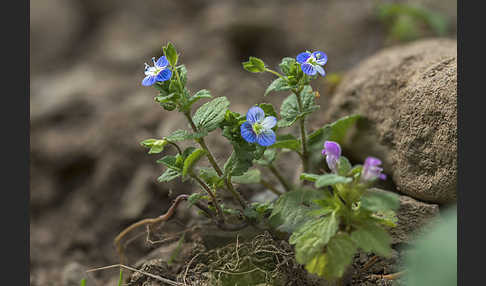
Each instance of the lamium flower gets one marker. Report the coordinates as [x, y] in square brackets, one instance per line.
[332, 151]
[158, 73]
[311, 63]
[371, 170]
[258, 128]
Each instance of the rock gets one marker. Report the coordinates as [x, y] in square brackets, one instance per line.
[407, 96]
[412, 217]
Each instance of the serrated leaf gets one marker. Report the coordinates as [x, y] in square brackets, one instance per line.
[181, 135]
[191, 160]
[168, 175]
[311, 237]
[210, 114]
[309, 177]
[280, 84]
[339, 254]
[171, 54]
[289, 111]
[331, 179]
[287, 66]
[378, 200]
[252, 176]
[210, 176]
[371, 237]
[292, 208]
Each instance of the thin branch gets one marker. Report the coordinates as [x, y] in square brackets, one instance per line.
[285, 184]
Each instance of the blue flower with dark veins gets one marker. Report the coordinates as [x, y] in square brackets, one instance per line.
[371, 170]
[311, 63]
[258, 128]
[158, 73]
[332, 151]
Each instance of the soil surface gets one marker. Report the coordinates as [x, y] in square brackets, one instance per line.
[89, 176]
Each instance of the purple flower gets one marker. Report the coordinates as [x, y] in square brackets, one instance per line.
[311, 63]
[332, 151]
[258, 128]
[159, 72]
[371, 170]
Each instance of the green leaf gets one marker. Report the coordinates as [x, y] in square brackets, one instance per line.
[292, 209]
[268, 157]
[203, 93]
[183, 74]
[311, 237]
[335, 131]
[191, 160]
[309, 177]
[288, 66]
[268, 109]
[170, 162]
[308, 98]
[168, 175]
[289, 111]
[157, 147]
[210, 176]
[181, 135]
[331, 179]
[254, 65]
[210, 114]
[292, 144]
[319, 136]
[344, 166]
[252, 176]
[171, 54]
[378, 200]
[280, 84]
[339, 254]
[371, 237]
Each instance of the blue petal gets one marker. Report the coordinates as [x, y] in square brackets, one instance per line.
[308, 69]
[302, 57]
[162, 62]
[164, 75]
[148, 80]
[247, 132]
[320, 70]
[266, 138]
[269, 122]
[321, 57]
[255, 114]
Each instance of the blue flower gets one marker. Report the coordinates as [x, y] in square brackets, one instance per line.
[311, 63]
[258, 128]
[371, 170]
[159, 72]
[332, 151]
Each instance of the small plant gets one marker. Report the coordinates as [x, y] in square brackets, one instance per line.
[327, 223]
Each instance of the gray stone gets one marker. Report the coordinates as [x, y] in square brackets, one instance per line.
[408, 98]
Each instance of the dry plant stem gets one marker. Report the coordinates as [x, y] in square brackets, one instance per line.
[281, 179]
[392, 276]
[159, 278]
[146, 221]
[303, 139]
[270, 187]
[370, 263]
[214, 164]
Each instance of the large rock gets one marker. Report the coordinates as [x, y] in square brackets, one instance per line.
[408, 97]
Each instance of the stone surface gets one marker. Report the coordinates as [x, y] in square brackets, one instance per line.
[408, 97]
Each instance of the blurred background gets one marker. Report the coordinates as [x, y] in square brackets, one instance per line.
[89, 175]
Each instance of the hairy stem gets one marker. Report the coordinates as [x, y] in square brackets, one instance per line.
[214, 164]
[176, 146]
[287, 186]
[274, 72]
[211, 194]
[303, 136]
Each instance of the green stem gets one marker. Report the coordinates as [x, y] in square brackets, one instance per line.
[176, 146]
[211, 194]
[303, 136]
[274, 72]
[270, 187]
[285, 184]
[214, 164]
